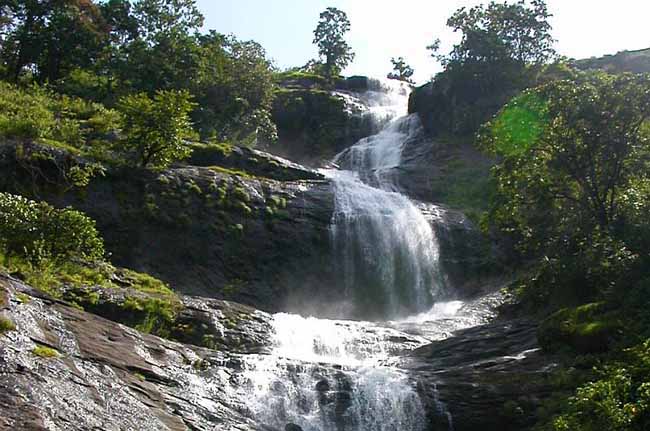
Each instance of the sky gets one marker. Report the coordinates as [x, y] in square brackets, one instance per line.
[382, 29]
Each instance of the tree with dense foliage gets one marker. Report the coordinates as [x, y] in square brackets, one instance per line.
[37, 231]
[502, 32]
[104, 50]
[49, 37]
[401, 71]
[163, 18]
[234, 89]
[155, 129]
[574, 176]
[329, 36]
[502, 48]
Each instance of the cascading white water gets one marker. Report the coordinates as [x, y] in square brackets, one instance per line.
[337, 375]
[384, 245]
[385, 248]
[328, 375]
[376, 157]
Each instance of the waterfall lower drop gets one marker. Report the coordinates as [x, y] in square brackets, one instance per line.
[328, 375]
[384, 245]
[341, 375]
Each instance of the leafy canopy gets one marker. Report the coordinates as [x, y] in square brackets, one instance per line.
[105, 50]
[329, 36]
[155, 128]
[574, 176]
[518, 32]
[401, 71]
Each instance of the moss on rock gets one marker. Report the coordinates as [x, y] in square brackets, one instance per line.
[589, 328]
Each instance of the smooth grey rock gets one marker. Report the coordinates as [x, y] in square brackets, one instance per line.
[473, 374]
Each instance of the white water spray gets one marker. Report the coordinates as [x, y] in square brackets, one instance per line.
[337, 375]
[383, 244]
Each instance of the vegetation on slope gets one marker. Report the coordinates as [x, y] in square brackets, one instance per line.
[571, 203]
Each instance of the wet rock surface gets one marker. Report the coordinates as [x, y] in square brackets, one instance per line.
[491, 377]
[105, 375]
[204, 322]
[102, 375]
[466, 255]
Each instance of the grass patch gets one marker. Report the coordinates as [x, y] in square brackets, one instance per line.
[50, 277]
[6, 325]
[23, 297]
[155, 315]
[45, 352]
[236, 172]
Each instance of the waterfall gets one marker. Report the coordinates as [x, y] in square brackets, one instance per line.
[328, 375]
[384, 246]
[342, 375]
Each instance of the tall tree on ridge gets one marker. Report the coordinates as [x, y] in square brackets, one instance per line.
[401, 70]
[329, 36]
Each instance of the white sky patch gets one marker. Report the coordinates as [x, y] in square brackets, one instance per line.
[382, 29]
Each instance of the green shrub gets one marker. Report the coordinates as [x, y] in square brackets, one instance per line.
[85, 84]
[24, 114]
[37, 114]
[38, 231]
[618, 401]
[590, 328]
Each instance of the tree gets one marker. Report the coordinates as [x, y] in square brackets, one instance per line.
[575, 173]
[501, 50]
[518, 32]
[155, 128]
[50, 37]
[329, 37]
[434, 48]
[165, 18]
[234, 89]
[401, 71]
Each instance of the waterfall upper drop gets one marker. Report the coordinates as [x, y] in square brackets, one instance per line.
[384, 246]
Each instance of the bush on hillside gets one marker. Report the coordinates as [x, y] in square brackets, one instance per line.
[39, 231]
[35, 114]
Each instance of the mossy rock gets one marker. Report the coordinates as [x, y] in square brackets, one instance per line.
[589, 328]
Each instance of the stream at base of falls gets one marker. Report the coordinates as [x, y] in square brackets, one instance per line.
[344, 375]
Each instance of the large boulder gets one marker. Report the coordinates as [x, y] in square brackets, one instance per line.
[492, 377]
[315, 124]
[467, 257]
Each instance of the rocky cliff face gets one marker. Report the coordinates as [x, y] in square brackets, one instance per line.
[63, 368]
[315, 123]
[253, 229]
[211, 231]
